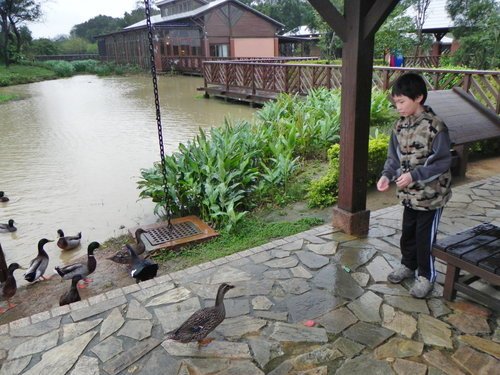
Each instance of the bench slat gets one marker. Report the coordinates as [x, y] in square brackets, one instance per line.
[454, 239]
[491, 264]
[470, 245]
[483, 253]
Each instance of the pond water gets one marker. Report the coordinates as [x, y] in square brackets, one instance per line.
[71, 152]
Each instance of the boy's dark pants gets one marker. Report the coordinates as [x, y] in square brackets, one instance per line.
[419, 234]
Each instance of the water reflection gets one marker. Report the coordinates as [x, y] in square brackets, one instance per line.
[72, 149]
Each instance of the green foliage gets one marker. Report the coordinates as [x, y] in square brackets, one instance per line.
[291, 13]
[309, 125]
[476, 25]
[19, 74]
[397, 33]
[86, 66]
[44, 46]
[96, 26]
[13, 14]
[76, 45]
[490, 147]
[324, 192]
[8, 97]
[62, 68]
[249, 233]
[224, 175]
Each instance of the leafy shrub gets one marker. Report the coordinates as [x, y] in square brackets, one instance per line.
[62, 68]
[223, 175]
[324, 192]
[85, 66]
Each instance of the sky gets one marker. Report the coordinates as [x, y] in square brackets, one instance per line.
[59, 16]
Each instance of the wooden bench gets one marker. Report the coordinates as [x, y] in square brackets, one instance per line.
[476, 251]
[468, 121]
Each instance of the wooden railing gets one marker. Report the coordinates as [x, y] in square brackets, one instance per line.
[194, 64]
[73, 57]
[300, 78]
[422, 61]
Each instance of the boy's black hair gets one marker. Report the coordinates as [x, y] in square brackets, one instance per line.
[411, 85]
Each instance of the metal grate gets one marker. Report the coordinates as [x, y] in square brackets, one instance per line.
[180, 230]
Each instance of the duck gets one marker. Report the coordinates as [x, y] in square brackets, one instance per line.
[72, 295]
[9, 227]
[7, 281]
[3, 197]
[68, 242]
[38, 264]
[67, 272]
[142, 269]
[203, 321]
[123, 256]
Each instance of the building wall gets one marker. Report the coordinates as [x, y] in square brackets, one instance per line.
[253, 47]
[236, 21]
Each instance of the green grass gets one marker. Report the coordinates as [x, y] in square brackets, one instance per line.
[251, 232]
[18, 74]
[8, 97]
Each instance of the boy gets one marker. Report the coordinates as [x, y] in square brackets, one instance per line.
[418, 161]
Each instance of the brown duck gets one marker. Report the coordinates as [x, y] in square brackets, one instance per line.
[7, 280]
[203, 321]
[72, 295]
[123, 256]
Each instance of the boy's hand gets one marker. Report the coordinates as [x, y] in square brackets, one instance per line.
[404, 180]
[383, 183]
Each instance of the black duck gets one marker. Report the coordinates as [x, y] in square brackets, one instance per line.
[39, 264]
[9, 227]
[142, 269]
[67, 272]
[68, 242]
[72, 294]
[203, 321]
[123, 256]
[7, 280]
[3, 197]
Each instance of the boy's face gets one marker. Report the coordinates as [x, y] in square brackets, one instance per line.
[407, 106]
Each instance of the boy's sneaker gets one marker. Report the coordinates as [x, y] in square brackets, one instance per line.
[421, 288]
[400, 273]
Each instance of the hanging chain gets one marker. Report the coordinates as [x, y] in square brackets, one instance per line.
[158, 114]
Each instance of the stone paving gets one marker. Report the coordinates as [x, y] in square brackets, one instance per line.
[363, 325]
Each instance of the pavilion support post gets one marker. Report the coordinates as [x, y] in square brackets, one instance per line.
[351, 215]
[356, 27]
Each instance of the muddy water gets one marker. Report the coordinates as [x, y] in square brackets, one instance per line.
[71, 152]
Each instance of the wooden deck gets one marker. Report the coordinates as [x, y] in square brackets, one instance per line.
[261, 81]
[239, 94]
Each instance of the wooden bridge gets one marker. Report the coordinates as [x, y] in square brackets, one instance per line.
[258, 82]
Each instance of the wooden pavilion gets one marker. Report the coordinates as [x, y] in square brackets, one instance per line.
[356, 27]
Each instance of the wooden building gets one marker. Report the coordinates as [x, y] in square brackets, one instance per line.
[196, 29]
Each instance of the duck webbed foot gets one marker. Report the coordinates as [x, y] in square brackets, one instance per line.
[85, 283]
[10, 305]
[205, 341]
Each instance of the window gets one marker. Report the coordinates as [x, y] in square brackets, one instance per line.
[219, 50]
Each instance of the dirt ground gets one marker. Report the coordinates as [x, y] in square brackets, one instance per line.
[44, 295]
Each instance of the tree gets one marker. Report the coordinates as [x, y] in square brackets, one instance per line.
[96, 26]
[13, 13]
[420, 7]
[291, 13]
[476, 26]
[397, 33]
[44, 46]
